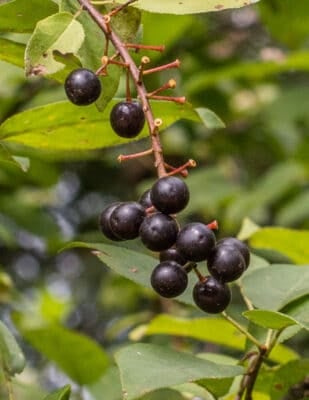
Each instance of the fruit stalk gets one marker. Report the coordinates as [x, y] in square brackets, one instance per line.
[135, 75]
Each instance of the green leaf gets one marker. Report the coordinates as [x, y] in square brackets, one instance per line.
[291, 242]
[210, 119]
[82, 359]
[271, 187]
[287, 376]
[12, 52]
[269, 319]
[156, 29]
[196, 6]
[109, 384]
[63, 126]
[294, 212]
[299, 310]
[276, 286]
[59, 32]
[213, 330]
[22, 15]
[61, 394]
[250, 71]
[7, 158]
[277, 13]
[11, 357]
[158, 367]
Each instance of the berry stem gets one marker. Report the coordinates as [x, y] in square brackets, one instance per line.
[135, 75]
[243, 330]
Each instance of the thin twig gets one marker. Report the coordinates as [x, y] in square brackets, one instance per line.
[242, 330]
[141, 90]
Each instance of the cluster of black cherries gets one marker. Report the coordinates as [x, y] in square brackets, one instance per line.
[152, 218]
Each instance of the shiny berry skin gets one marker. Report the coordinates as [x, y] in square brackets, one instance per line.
[211, 295]
[82, 87]
[239, 245]
[104, 221]
[145, 200]
[226, 263]
[195, 241]
[126, 220]
[158, 232]
[169, 279]
[172, 254]
[170, 195]
[127, 118]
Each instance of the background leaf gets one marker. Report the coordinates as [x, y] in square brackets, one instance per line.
[82, 359]
[288, 375]
[158, 367]
[22, 15]
[11, 356]
[61, 394]
[276, 286]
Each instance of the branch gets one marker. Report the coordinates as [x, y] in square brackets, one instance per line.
[135, 75]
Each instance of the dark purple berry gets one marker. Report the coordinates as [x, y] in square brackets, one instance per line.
[104, 221]
[145, 200]
[172, 254]
[170, 195]
[126, 220]
[82, 87]
[169, 279]
[239, 245]
[211, 295]
[226, 263]
[195, 241]
[158, 232]
[127, 118]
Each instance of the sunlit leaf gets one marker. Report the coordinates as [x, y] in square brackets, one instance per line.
[291, 242]
[59, 32]
[63, 126]
[187, 7]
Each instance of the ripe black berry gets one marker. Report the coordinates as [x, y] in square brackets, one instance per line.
[195, 241]
[211, 295]
[145, 200]
[169, 279]
[126, 220]
[239, 245]
[127, 118]
[104, 221]
[172, 254]
[158, 231]
[82, 87]
[226, 263]
[170, 195]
